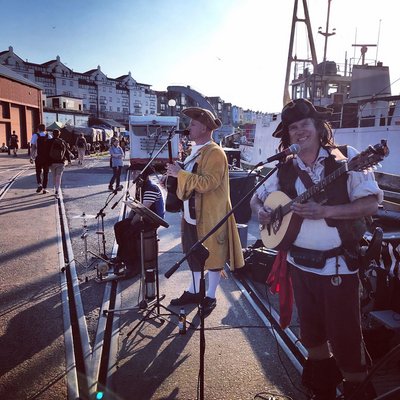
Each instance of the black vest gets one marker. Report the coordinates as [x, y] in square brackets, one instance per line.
[350, 230]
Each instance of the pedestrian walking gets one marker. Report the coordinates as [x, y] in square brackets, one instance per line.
[116, 162]
[40, 151]
[14, 144]
[58, 155]
[81, 146]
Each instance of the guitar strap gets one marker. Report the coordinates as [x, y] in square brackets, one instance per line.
[320, 197]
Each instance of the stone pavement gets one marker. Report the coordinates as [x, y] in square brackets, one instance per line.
[32, 356]
[153, 362]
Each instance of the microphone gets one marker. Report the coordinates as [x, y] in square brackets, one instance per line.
[292, 149]
[184, 132]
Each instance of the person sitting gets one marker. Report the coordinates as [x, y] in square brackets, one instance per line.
[127, 231]
[4, 148]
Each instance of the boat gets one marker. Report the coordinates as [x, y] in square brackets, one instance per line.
[364, 109]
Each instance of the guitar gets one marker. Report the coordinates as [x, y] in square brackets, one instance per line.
[285, 225]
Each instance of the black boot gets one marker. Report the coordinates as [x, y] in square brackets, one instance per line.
[351, 391]
[322, 377]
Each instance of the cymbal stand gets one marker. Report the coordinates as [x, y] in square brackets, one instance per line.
[102, 214]
[103, 256]
[84, 235]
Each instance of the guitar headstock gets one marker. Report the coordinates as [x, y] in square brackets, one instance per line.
[371, 156]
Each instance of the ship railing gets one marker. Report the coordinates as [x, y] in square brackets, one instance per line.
[366, 114]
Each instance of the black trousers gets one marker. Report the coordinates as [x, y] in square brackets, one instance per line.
[129, 245]
[42, 166]
[116, 176]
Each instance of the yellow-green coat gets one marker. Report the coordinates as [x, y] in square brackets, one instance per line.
[212, 203]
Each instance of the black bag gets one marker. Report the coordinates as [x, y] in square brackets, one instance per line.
[81, 143]
[42, 145]
[57, 150]
[309, 258]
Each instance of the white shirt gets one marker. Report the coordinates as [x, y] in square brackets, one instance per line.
[35, 137]
[316, 234]
[189, 164]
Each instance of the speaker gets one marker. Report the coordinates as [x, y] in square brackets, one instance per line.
[233, 156]
[259, 263]
[241, 183]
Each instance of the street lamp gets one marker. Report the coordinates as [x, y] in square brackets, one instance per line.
[171, 104]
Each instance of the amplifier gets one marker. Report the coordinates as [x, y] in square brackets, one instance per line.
[258, 263]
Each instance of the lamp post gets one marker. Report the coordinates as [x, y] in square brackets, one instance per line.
[171, 105]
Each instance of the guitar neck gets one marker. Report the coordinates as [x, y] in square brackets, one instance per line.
[315, 189]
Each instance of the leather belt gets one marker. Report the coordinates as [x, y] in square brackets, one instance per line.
[337, 251]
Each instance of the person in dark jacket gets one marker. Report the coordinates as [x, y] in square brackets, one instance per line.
[14, 143]
[58, 155]
[40, 152]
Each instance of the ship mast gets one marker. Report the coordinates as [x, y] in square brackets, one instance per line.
[291, 58]
[326, 34]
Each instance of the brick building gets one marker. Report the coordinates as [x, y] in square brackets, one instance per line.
[20, 106]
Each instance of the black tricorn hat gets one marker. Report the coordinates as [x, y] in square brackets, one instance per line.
[297, 110]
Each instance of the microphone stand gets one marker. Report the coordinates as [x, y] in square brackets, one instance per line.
[201, 252]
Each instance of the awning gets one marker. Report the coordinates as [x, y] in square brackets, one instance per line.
[55, 125]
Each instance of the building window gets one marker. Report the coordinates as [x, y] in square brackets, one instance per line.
[63, 82]
[71, 83]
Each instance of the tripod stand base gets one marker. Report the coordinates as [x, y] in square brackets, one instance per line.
[107, 278]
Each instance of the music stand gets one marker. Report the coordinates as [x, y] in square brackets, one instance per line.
[148, 216]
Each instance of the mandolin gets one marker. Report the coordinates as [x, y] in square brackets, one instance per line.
[285, 225]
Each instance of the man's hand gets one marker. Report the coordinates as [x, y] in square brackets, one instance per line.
[309, 210]
[264, 215]
[173, 169]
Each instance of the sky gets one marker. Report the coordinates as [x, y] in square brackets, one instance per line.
[234, 49]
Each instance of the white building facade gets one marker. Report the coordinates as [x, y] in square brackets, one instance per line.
[115, 98]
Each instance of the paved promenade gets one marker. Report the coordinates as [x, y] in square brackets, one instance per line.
[32, 356]
[154, 362]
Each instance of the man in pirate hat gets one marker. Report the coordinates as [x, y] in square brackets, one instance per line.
[203, 185]
[322, 261]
